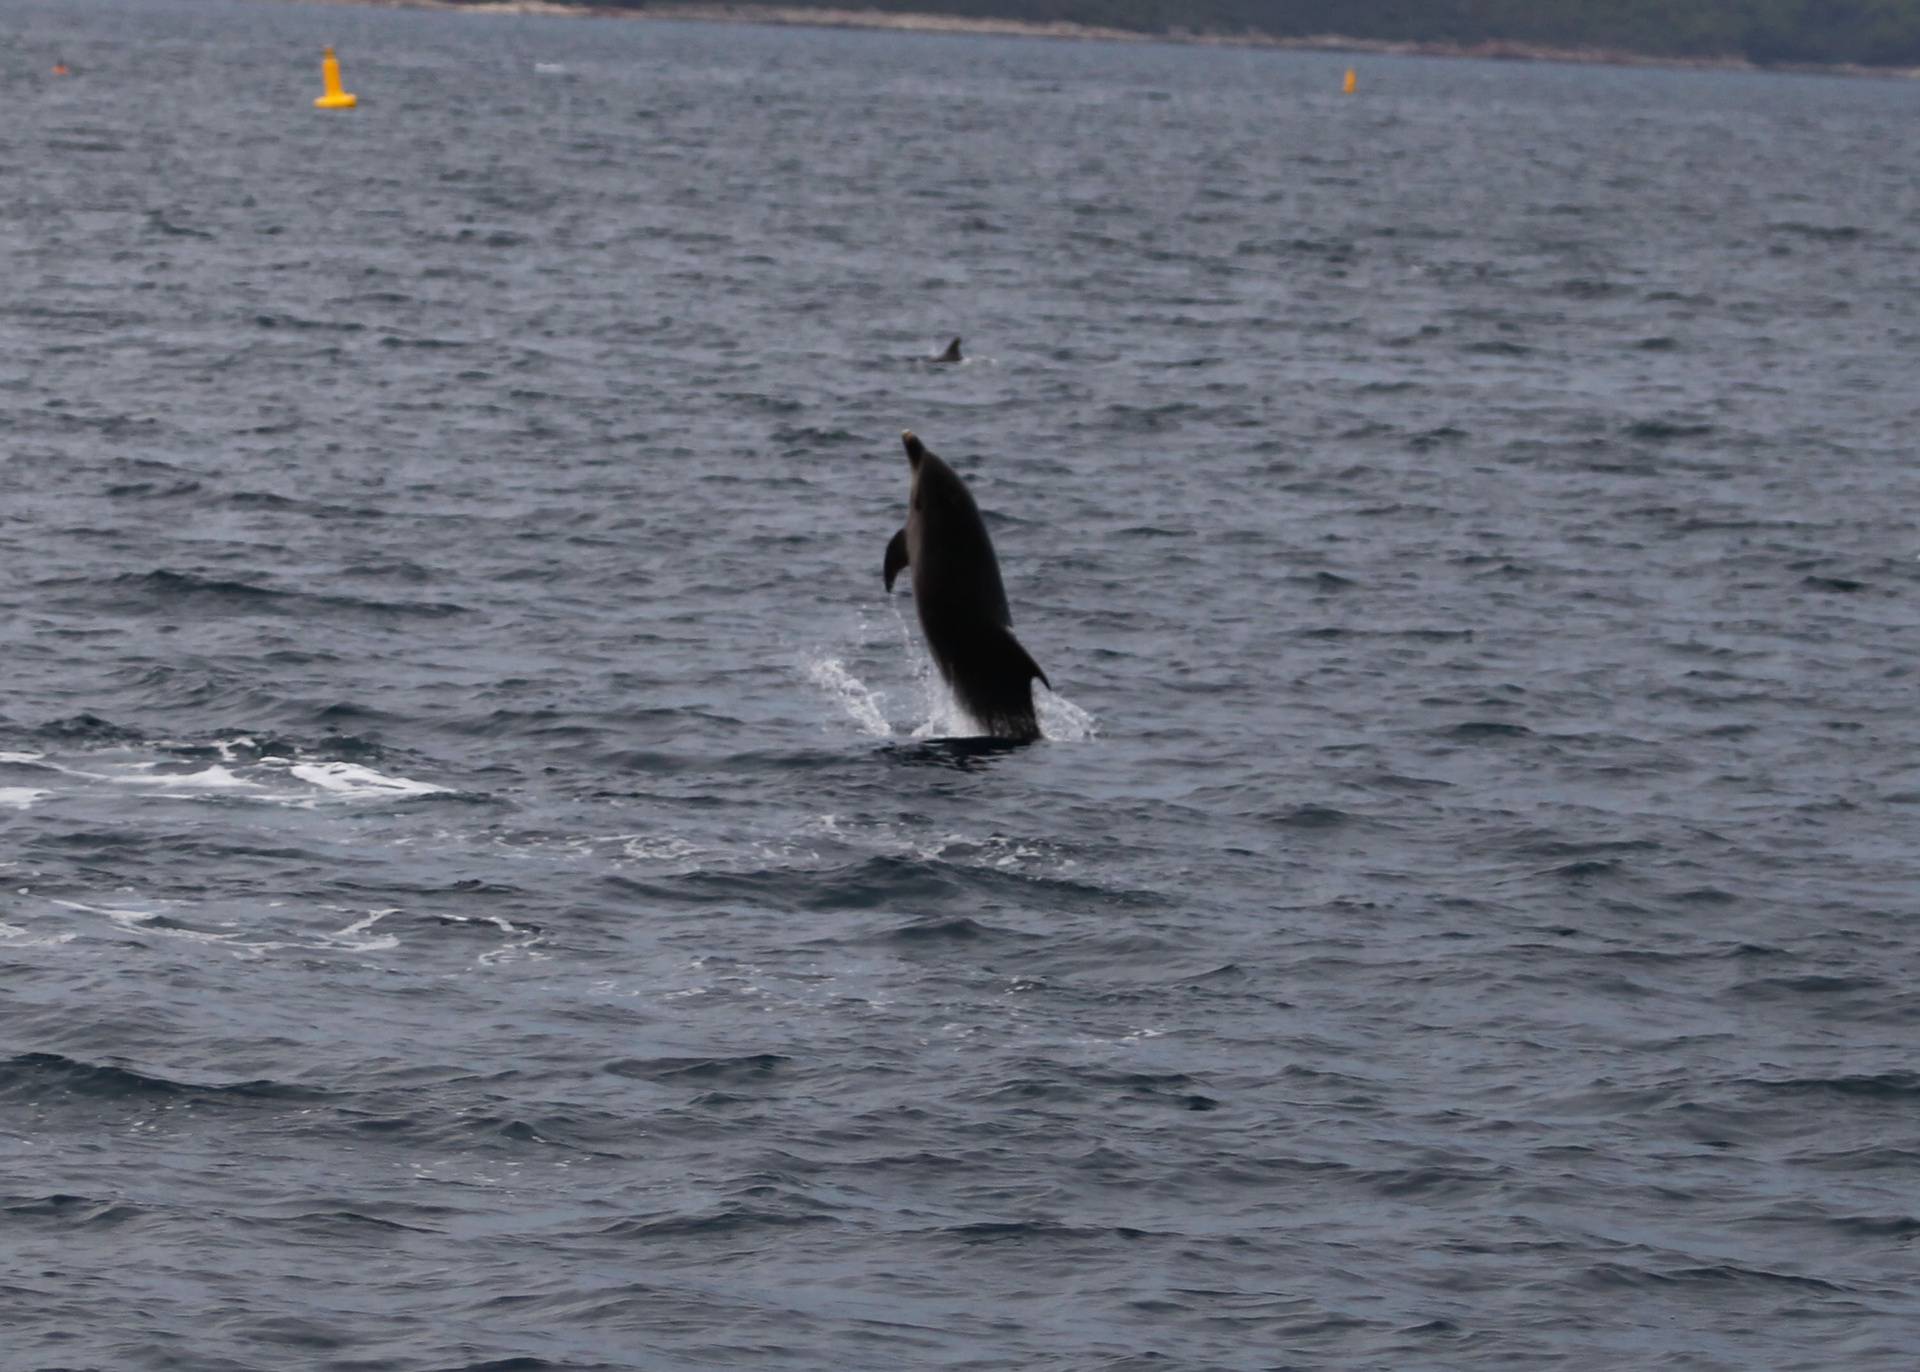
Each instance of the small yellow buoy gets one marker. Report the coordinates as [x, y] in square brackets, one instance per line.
[1352, 83]
[335, 98]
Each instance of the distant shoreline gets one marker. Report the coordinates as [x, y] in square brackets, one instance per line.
[796, 17]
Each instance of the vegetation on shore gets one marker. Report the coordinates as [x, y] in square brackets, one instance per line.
[1861, 32]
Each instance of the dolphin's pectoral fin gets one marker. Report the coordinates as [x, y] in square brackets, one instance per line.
[896, 557]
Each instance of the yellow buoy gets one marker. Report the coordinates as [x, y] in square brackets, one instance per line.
[1352, 83]
[335, 98]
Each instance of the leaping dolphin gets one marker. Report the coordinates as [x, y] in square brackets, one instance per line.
[962, 605]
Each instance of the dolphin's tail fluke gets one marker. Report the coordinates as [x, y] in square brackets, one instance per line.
[995, 685]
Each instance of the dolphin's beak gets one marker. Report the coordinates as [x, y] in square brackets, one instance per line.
[915, 448]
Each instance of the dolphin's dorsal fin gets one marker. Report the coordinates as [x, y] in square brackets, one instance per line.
[952, 354]
[1019, 654]
[896, 557]
[994, 684]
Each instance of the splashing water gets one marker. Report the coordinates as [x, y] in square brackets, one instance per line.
[861, 702]
[938, 713]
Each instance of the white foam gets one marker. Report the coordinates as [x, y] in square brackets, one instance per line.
[266, 781]
[20, 797]
[21, 757]
[351, 780]
[662, 848]
[131, 919]
[15, 937]
[214, 778]
[354, 938]
[350, 939]
[525, 947]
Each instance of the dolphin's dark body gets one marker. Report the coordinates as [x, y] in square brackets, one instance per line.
[962, 605]
[952, 354]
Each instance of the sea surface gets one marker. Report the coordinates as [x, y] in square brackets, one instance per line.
[489, 877]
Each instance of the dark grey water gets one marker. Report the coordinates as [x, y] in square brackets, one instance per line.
[479, 888]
